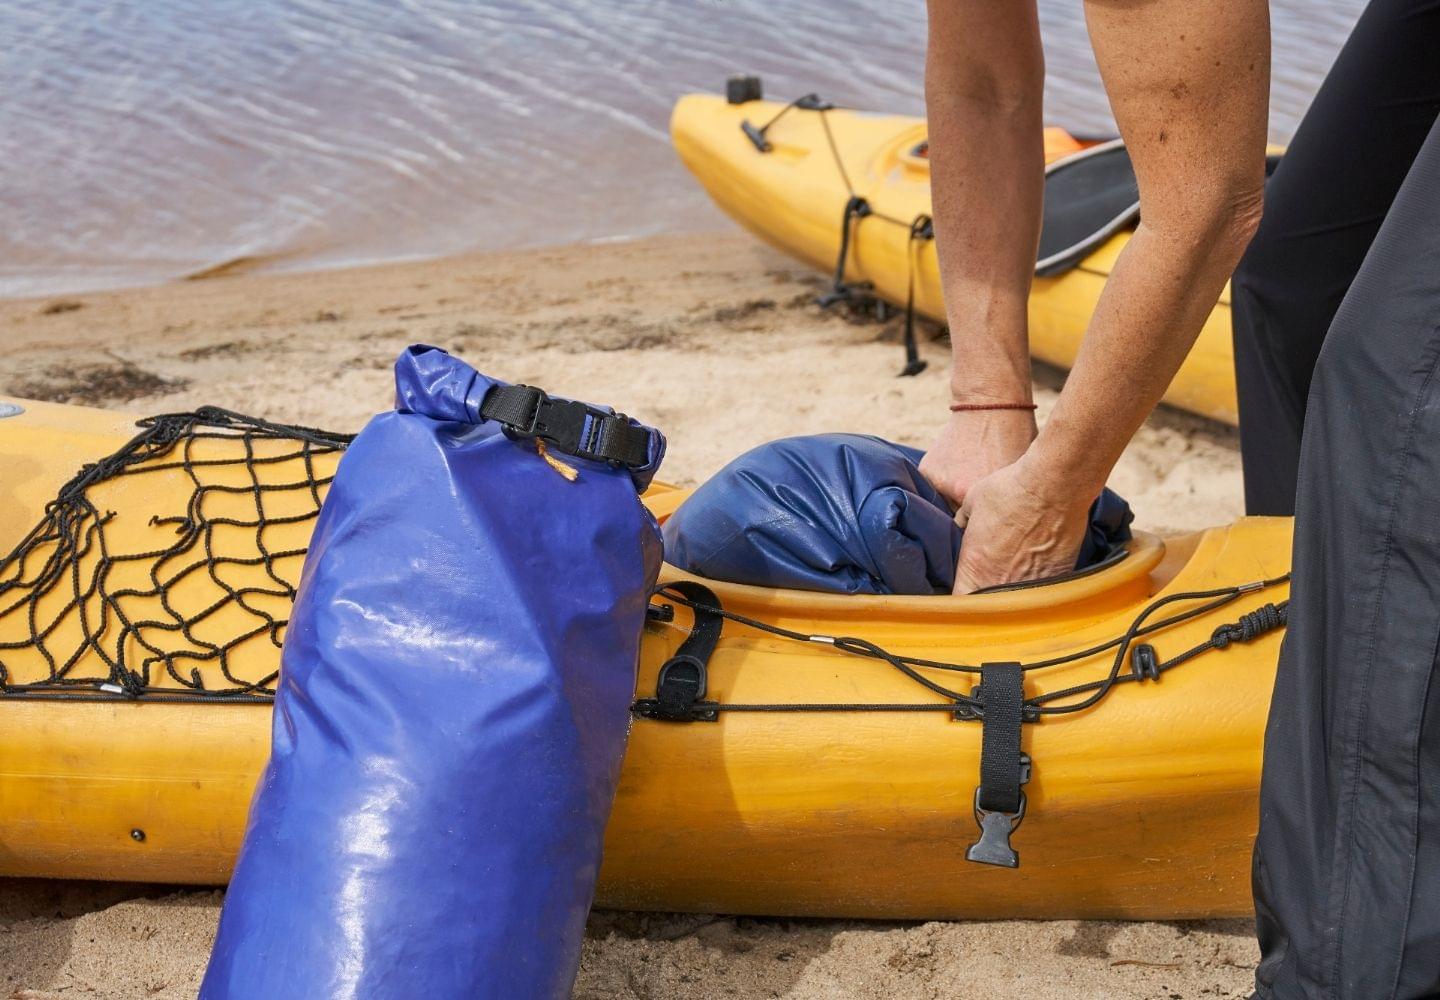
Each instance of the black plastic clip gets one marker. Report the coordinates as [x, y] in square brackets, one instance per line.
[756, 135]
[1144, 663]
[680, 686]
[974, 710]
[680, 693]
[993, 847]
[743, 89]
[814, 102]
[568, 425]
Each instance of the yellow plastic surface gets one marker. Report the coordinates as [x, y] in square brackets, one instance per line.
[1143, 807]
[793, 198]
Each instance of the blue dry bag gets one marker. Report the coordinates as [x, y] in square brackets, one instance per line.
[842, 512]
[453, 703]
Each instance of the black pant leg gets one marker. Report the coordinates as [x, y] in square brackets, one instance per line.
[1347, 873]
[1420, 975]
[1323, 208]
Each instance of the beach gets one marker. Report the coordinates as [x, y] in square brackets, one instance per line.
[716, 340]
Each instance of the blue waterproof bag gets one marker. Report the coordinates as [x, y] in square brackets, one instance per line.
[839, 512]
[453, 703]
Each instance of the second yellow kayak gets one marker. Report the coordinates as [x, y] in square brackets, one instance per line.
[793, 196]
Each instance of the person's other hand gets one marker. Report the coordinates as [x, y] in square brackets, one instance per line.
[974, 444]
[1018, 527]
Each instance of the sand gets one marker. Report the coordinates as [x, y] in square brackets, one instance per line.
[717, 341]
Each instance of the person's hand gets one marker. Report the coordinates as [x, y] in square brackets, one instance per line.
[974, 444]
[1019, 527]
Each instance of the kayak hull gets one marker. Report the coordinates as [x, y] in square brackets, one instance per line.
[1141, 807]
[793, 198]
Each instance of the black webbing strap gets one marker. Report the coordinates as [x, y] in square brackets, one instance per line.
[922, 228]
[568, 426]
[1002, 690]
[680, 685]
[999, 799]
[856, 209]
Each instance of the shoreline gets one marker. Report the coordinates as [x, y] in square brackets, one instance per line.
[299, 261]
[716, 340]
[668, 328]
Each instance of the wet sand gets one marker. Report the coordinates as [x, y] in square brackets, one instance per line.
[717, 341]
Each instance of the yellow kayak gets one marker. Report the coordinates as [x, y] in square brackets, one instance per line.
[1140, 806]
[793, 196]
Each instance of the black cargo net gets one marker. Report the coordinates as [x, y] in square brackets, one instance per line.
[83, 617]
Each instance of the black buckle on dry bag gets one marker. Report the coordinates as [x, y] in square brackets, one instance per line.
[680, 685]
[999, 798]
[568, 426]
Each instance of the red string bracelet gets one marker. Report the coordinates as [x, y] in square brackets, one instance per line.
[968, 407]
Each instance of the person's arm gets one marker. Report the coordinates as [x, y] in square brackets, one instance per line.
[1189, 86]
[984, 84]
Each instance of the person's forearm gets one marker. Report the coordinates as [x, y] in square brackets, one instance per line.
[1159, 294]
[1189, 84]
[984, 85]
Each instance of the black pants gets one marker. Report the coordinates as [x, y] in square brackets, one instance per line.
[1323, 208]
[1347, 863]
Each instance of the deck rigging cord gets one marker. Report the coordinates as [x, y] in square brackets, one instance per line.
[857, 208]
[1144, 664]
[998, 702]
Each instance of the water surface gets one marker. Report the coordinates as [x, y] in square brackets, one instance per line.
[144, 140]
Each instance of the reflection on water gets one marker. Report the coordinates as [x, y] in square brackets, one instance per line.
[148, 139]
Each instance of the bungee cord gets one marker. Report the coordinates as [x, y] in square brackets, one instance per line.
[67, 557]
[1144, 666]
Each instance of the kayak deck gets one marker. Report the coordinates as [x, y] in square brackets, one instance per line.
[1140, 807]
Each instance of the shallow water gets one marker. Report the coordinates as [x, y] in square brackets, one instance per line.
[149, 139]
